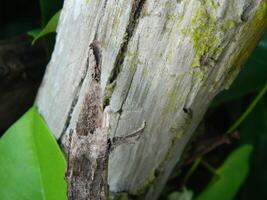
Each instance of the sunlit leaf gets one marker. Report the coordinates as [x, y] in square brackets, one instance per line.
[49, 28]
[31, 163]
[48, 9]
[34, 33]
[229, 177]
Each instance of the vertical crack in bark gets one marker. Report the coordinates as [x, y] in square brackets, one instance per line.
[246, 11]
[134, 17]
[128, 90]
[102, 14]
[75, 99]
[78, 89]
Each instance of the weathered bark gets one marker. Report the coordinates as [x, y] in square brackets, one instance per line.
[21, 70]
[162, 62]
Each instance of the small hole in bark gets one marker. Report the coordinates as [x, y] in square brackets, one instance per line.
[120, 111]
[109, 144]
[246, 12]
[186, 110]
[157, 172]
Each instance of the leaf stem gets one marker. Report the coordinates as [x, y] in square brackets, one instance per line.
[192, 170]
[210, 168]
[248, 110]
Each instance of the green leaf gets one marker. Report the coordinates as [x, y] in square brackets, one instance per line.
[34, 32]
[229, 177]
[49, 28]
[31, 164]
[48, 9]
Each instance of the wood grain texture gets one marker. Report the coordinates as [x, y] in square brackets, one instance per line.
[162, 62]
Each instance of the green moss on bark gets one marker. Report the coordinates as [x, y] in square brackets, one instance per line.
[108, 92]
[171, 101]
[204, 34]
[262, 12]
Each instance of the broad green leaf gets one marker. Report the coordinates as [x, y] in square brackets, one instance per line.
[49, 28]
[31, 164]
[251, 78]
[229, 177]
[48, 10]
[34, 33]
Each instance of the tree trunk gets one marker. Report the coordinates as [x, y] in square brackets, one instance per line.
[159, 62]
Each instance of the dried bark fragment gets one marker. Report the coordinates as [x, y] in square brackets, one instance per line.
[88, 149]
[89, 145]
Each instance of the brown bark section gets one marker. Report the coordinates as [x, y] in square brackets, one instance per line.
[89, 146]
[87, 166]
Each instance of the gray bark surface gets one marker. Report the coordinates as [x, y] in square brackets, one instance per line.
[162, 62]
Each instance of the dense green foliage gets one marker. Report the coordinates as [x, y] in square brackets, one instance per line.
[31, 163]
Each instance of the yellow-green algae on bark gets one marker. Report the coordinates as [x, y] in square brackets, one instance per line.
[206, 33]
[255, 29]
[262, 12]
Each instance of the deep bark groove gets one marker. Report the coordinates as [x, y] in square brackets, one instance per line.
[133, 21]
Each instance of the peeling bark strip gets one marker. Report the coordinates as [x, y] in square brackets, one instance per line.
[89, 146]
[88, 154]
[162, 61]
[87, 166]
